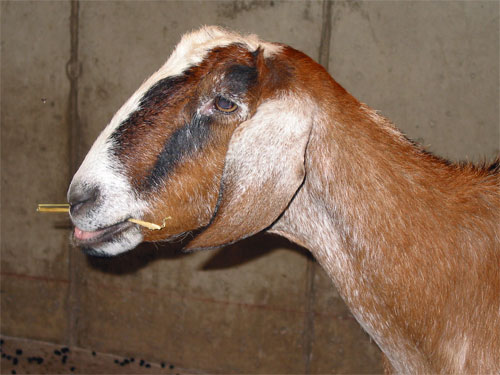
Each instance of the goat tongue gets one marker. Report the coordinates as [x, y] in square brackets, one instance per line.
[85, 236]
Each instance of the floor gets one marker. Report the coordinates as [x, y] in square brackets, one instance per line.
[23, 356]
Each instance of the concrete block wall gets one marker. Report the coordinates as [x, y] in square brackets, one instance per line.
[262, 305]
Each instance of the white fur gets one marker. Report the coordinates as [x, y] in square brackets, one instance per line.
[273, 119]
[100, 168]
[190, 51]
[116, 203]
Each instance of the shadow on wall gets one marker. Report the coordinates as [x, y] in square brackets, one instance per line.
[231, 256]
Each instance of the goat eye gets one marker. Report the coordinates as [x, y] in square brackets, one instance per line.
[224, 105]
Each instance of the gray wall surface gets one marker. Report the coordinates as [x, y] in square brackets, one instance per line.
[260, 306]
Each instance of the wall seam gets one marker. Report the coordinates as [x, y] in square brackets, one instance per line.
[326, 32]
[309, 315]
[73, 70]
[309, 335]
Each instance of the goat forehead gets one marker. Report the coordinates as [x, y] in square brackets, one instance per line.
[190, 51]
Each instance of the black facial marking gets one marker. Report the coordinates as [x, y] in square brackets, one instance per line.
[183, 142]
[256, 53]
[161, 90]
[240, 78]
[151, 103]
[172, 93]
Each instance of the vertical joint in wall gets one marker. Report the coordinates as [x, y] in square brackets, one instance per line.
[73, 69]
[308, 337]
[326, 32]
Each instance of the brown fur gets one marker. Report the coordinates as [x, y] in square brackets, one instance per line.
[410, 240]
[194, 183]
[419, 237]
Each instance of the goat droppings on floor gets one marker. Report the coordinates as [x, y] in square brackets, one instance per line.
[23, 356]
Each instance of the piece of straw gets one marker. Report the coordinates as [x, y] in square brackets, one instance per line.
[147, 224]
[53, 208]
[65, 208]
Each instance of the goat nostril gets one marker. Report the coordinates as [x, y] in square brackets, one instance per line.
[82, 198]
[74, 208]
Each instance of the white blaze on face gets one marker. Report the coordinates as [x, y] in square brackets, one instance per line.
[102, 170]
[116, 201]
[190, 52]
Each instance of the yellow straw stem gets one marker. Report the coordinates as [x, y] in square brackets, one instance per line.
[64, 207]
[146, 224]
[53, 208]
[43, 209]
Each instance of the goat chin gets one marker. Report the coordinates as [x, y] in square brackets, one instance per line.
[234, 135]
[108, 242]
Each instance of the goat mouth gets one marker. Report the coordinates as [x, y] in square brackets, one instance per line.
[92, 238]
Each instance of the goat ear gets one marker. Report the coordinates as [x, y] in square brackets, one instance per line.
[263, 170]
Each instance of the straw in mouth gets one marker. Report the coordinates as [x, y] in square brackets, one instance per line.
[53, 208]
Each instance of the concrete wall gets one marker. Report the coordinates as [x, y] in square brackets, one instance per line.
[260, 306]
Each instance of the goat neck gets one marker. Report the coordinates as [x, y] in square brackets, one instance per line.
[410, 241]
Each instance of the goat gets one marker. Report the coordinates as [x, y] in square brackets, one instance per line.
[234, 136]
